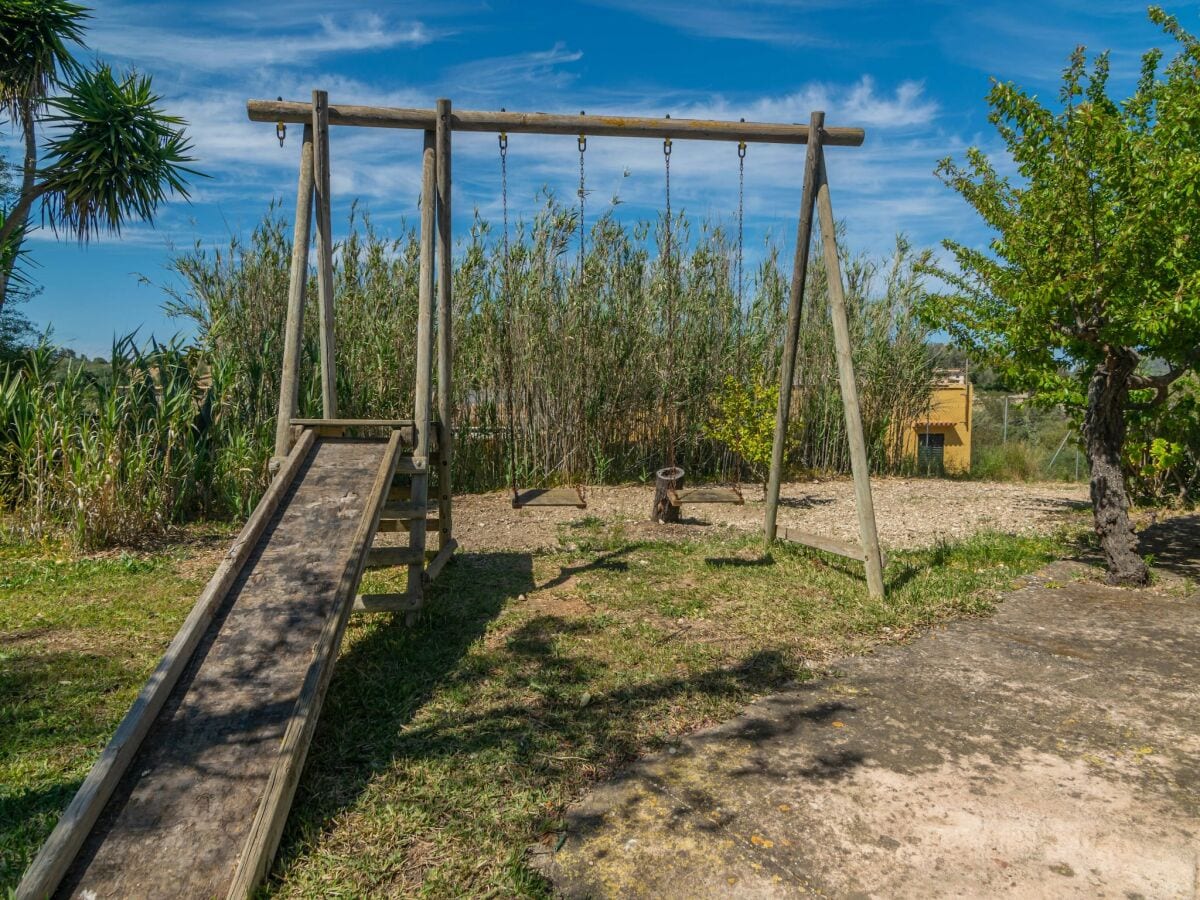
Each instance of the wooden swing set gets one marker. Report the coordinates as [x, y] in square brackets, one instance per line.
[410, 509]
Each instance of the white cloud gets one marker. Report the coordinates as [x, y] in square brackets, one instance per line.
[196, 48]
[761, 21]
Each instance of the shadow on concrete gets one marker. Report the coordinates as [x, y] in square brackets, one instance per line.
[1174, 544]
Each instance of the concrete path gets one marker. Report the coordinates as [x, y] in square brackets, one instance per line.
[1052, 750]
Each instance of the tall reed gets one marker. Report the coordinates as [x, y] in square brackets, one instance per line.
[608, 370]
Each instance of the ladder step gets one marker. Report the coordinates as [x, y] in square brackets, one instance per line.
[706, 495]
[395, 556]
[388, 526]
[560, 496]
[405, 602]
[412, 465]
[404, 511]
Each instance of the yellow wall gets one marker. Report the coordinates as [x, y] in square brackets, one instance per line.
[949, 415]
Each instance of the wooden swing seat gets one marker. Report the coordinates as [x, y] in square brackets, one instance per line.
[559, 496]
[706, 495]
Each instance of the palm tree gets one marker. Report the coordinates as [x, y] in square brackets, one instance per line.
[113, 154]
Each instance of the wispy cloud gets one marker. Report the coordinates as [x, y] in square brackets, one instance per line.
[762, 21]
[545, 70]
[301, 45]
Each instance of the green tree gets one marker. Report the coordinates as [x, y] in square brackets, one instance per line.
[1089, 293]
[112, 154]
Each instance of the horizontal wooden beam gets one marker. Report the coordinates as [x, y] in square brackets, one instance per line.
[392, 526]
[355, 423]
[394, 556]
[848, 549]
[549, 123]
[364, 603]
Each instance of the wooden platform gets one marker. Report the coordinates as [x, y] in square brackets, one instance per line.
[200, 806]
[706, 495]
[560, 496]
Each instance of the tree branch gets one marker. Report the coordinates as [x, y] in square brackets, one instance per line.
[1165, 380]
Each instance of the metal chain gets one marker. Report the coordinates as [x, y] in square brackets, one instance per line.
[741, 219]
[667, 159]
[507, 299]
[582, 142]
[504, 196]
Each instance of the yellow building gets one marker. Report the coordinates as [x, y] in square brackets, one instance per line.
[940, 439]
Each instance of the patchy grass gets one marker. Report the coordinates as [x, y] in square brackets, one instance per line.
[447, 748]
[78, 637]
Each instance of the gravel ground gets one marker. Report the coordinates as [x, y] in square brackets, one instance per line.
[910, 512]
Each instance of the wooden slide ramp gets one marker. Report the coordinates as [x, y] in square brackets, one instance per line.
[197, 805]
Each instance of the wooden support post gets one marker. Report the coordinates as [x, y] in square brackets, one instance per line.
[320, 114]
[854, 431]
[424, 357]
[445, 359]
[787, 368]
[293, 329]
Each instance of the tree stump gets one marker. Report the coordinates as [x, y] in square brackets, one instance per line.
[664, 480]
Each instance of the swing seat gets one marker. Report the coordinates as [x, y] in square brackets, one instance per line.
[706, 495]
[559, 496]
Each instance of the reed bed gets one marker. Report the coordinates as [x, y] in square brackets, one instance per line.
[592, 374]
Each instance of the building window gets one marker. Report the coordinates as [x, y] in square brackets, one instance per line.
[931, 453]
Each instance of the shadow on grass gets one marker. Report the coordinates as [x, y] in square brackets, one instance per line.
[44, 695]
[739, 562]
[532, 708]
[609, 561]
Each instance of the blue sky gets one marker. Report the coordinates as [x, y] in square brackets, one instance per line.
[913, 74]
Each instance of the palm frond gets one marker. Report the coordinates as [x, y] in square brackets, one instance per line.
[35, 49]
[115, 155]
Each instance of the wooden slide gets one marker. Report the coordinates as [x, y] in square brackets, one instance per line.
[190, 796]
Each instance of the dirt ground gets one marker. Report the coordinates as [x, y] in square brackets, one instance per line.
[911, 512]
[1049, 751]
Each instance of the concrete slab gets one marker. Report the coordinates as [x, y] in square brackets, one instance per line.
[1050, 750]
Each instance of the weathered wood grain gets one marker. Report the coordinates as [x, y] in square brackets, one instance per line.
[372, 603]
[549, 123]
[179, 819]
[423, 387]
[859, 463]
[445, 324]
[791, 338]
[276, 799]
[293, 330]
[848, 549]
[319, 111]
[61, 847]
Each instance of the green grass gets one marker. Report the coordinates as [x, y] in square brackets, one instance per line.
[78, 636]
[448, 748]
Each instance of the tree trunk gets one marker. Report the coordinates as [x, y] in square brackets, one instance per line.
[14, 223]
[665, 480]
[1104, 433]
